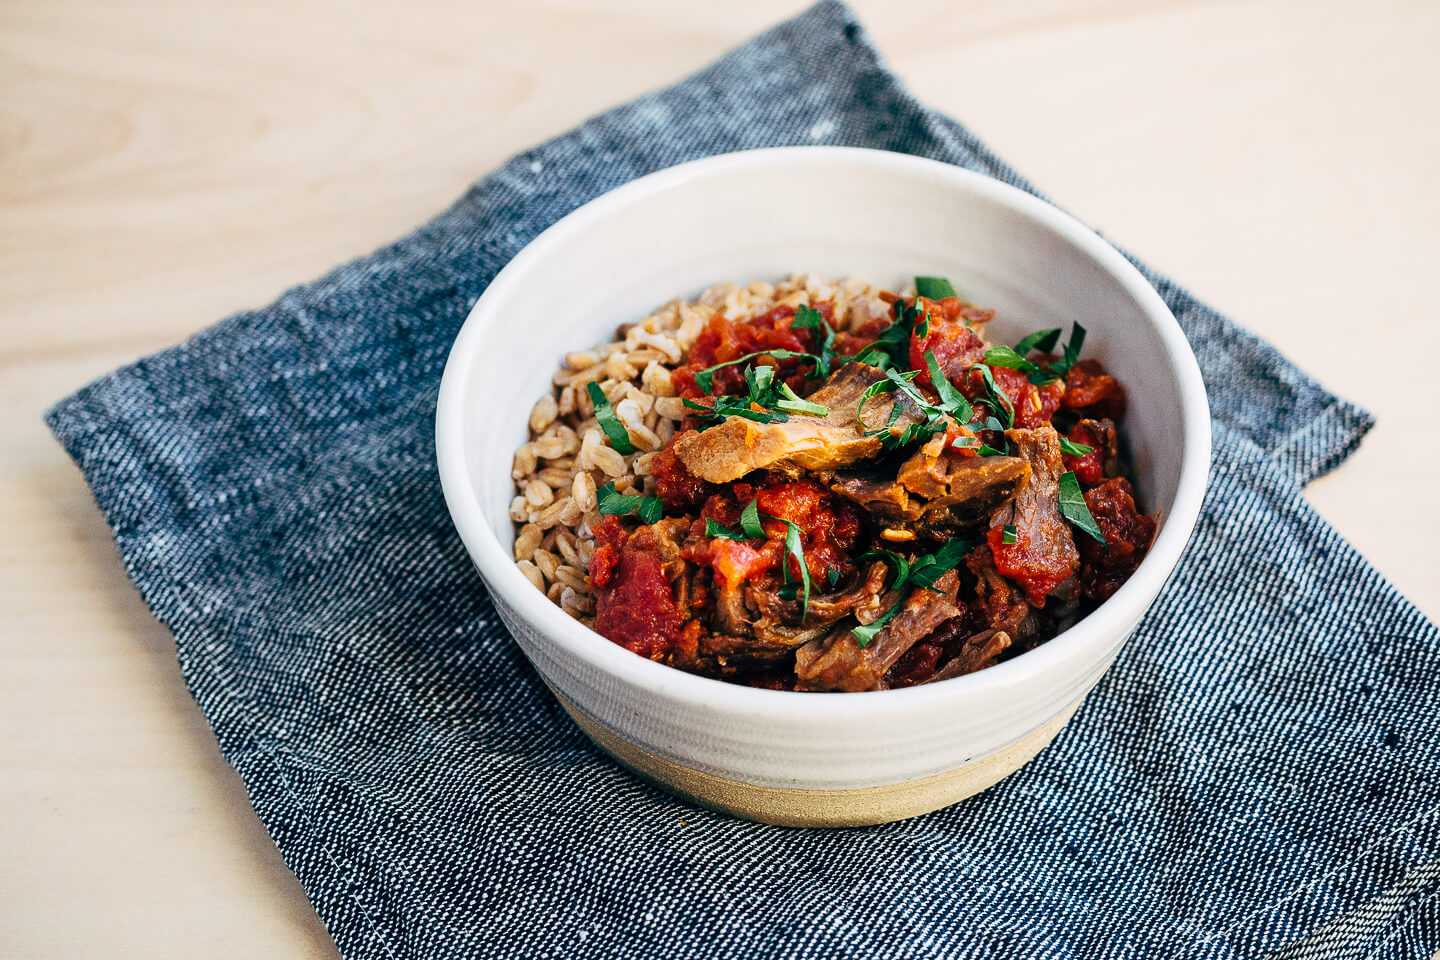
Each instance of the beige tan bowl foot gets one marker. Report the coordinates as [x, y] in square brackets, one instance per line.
[822, 808]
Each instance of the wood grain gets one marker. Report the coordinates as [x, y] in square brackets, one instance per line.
[164, 163]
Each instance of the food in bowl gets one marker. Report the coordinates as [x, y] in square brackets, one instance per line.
[820, 486]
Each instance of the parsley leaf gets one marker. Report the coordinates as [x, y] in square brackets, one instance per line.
[759, 379]
[720, 531]
[795, 547]
[892, 348]
[808, 318]
[904, 383]
[900, 564]
[728, 406]
[996, 397]
[935, 416]
[931, 567]
[704, 379]
[923, 571]
[934, 288]
[951, 400]
[1072, 352]
[1008, 534]
[1005, 357]
[750, 521]
[1074, 508]
[875, 389]
[984, 449]
[648, 509]
[791, 402]
[1042, 340]
[864, 634]
[1072, 448]
[764, 390]
[614, 429]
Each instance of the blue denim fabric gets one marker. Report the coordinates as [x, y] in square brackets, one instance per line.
[1259, 772]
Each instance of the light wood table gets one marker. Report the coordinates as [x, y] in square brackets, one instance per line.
[166, 162]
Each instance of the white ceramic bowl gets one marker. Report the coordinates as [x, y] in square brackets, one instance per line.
[803, 758]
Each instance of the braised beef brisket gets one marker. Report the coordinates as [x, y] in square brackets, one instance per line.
[738, 446]
[838, 662]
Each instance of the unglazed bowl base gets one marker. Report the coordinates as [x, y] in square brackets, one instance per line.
[788, 807]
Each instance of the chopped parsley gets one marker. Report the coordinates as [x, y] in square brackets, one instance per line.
[934, 288]
[1008, 534]
[888, 385]
[1005, 357]
[1074, 508]
[996, 398]
[614, 429]
[864, 634]
[1070, 447]
[923, 571]
[932, 566]
[952, 404]
[752, 529]
[1042, 340]
[763, 391]
[715, 529]
[774, 398]
[808, 318]
[932, 424]
[704, 379]
[648, 509]
[891, 350]
[727, 406]
[750, 521]
[796, 548]
[951, 400]
[984, 449]
[791, 402]
[1072, 352]
[900, 565]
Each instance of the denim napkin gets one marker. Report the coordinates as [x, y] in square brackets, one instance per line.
[1259, 772]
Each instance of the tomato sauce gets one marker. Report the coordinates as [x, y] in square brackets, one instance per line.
[1089, 389]
[1039, 568]
[635, 607]
[1128, 534]
[1089, 468]
[724, 340]
[829, 526]
[610, 536]
[830, 529]
[1033, 405]
[951, 336]
[679, 489]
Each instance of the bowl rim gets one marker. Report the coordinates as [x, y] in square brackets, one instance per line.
[1083, 643]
